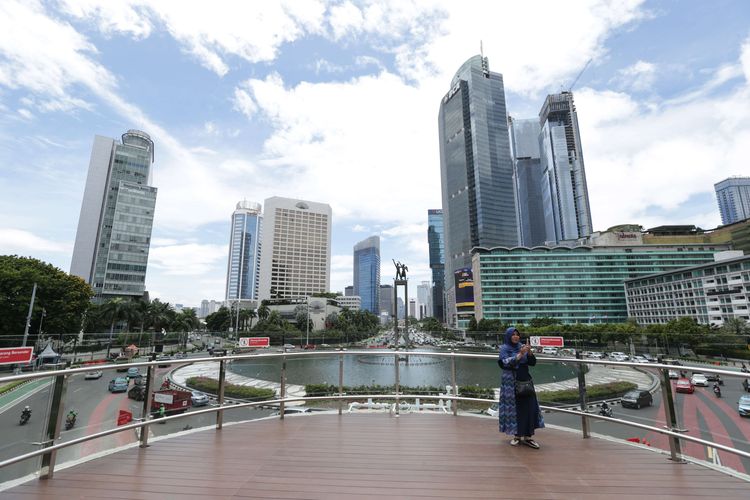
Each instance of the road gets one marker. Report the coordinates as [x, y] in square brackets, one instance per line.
[702, 414]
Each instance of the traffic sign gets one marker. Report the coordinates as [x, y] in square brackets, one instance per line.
[10, 355]
[547, 342]
[254, 341]
[124, 417]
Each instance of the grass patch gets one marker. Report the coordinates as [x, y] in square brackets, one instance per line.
[594, 392]
[211, 386]
[11, 385]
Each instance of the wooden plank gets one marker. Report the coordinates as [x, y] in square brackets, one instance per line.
[375, 456]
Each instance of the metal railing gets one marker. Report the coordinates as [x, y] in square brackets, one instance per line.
[48, 450]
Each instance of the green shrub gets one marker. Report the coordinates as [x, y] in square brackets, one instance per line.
[468, 391]
[211, 386]
[594, 392]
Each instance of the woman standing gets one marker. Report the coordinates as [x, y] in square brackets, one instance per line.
[518, 415]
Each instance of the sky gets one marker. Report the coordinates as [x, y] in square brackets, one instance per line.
[337, 102]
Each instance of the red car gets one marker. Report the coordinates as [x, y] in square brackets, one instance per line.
[684, 385]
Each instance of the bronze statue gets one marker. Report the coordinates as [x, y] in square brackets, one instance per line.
[400, 270]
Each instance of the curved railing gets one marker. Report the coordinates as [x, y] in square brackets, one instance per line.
[51, 441]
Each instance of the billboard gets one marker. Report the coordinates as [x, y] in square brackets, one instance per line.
[10, 355]
[254, 342]
[464, 283]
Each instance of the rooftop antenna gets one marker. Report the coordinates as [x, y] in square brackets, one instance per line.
[481, 49]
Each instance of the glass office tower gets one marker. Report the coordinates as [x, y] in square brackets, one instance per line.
[436, 242]
[564, 191]
[476, 172]
[367, 273]
[527, 176]
[733, 195]
[117, 215]
[244, 252]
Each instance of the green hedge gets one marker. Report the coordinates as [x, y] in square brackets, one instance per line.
[211, 386]
[737, 353]
[594, 392]
[11, 385]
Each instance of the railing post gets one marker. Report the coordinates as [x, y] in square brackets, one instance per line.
[148, 395]
[582, 396]
[341, 379]
[668, 400]
[398, 383]
[220, 395]
[282, 390]
[54, 424]
[453, 382]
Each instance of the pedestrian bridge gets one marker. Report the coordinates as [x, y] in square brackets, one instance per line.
[335, 454]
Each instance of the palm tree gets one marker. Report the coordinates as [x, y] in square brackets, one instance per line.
[114, 311]
[263, 311]
[141, 310]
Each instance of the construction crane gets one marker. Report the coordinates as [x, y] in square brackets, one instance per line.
[570, 87]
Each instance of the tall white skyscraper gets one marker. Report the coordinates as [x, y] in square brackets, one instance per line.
[117, 215]
[424, 297]
[243, 268]
[296, 257]
[733, 195]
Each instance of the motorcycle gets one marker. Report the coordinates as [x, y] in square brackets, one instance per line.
[605, 411]
[70, 421]
[25, 416]
[717, 390]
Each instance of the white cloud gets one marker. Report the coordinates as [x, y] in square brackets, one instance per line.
[25, 113]
[358, 228]
[639, 76]
[745, 59]
[18, 241]
[190, 259]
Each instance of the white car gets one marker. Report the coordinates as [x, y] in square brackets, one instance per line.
[618, 356]
[640, 359]
[550, 351]
[596, 355]
[699, 379]
[674, 374]
[93, 375]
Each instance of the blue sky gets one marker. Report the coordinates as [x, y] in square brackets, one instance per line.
[337, 102]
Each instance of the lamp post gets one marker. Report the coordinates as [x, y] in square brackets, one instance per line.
[307, 335]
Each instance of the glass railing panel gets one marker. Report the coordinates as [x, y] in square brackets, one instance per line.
[19, 438]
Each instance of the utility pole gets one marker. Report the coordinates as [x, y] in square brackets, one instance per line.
[28, 317]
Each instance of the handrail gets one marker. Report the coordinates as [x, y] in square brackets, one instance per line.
[59, 375]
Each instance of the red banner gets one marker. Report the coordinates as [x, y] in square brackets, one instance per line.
[254, 341]
[124, 417]
[11, 355]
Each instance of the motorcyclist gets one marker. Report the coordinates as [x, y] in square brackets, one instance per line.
[717, 389]
[743, 369]
[605, 410]
[71, 416]
[25, 414]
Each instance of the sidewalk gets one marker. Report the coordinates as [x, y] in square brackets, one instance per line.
[208, 369]
[599, 374]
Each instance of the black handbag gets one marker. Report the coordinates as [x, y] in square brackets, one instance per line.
[524, 388]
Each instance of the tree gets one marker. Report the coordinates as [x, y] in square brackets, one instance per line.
[218, 321]
[65, 298]
[114, 310]
[263, 311]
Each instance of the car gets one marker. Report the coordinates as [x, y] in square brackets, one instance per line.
[162, 359]
[637, 399]
[699, 379]
[550, 351]
[199, 399]
[743, 405]
[596, 355]
[97, 374]
[134, 373]
[639, 359]
[119, 384]
[674, 374]
[618, 356]
[684, 385]
[288, 346]
[180, 355]
[712, 377]
[649, 358]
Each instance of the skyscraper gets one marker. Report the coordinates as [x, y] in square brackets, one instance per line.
[296, 257]
[424, 298]
[244, 252]
[564, 192]
[733, 195]
[367, 273]
[527, 176]
[117, 215]
[475, 167]
[386, 299]
[437, 260]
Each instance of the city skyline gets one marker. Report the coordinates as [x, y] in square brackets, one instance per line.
[341, 108]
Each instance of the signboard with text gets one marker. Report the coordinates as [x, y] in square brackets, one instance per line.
[10, 355]
[547, 341]
[254, 342]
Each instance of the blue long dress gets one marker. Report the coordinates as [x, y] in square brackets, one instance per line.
[517, 417]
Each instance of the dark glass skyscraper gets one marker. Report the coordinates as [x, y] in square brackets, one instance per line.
[243, 268]
[527, 174]
[476, 171]
[367, 273]
[435, 239]
[564, 190]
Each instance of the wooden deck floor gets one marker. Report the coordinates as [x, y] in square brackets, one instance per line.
[326, 456]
